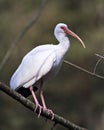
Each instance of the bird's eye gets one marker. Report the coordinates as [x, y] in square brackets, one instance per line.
[62, 27]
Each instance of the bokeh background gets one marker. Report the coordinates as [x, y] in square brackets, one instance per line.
[73, 94]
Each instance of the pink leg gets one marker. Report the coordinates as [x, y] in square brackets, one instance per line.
[36, 101]
[43, 101]
[42, 98]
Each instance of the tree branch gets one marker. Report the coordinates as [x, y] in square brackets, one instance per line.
[84, 70]
[30, 105]
[22, 33]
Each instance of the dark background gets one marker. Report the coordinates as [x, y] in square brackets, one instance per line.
[73, 94]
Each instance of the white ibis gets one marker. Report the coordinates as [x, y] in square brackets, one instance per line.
[41, 64]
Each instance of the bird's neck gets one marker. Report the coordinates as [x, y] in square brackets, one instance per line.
[64, 44]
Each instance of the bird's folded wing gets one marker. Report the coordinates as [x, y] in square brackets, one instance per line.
[33, 67]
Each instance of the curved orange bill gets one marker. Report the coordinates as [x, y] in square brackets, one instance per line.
[68, 31]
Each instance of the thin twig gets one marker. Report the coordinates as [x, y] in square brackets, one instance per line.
[100, 56]
[22, 33]
[30, 105]
[84, 70]
[99, 60]
[53, 126]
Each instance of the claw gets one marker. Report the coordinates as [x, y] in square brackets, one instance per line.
[36, 108]
[49, 112]
[40, 109]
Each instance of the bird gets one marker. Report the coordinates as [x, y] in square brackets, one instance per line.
[41, 64]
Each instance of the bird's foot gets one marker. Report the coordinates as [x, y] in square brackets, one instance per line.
[44, 109]
[40, 109]
[49, 112]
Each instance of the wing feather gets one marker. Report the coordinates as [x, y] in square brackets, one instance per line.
[34, 66]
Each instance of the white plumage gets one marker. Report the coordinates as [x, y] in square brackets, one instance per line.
[42, 63]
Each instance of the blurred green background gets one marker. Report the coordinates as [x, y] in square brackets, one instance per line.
[73, 94]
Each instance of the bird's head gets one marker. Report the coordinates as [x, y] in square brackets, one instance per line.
[62, 29]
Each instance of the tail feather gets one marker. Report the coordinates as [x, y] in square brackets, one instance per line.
[25, 91]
